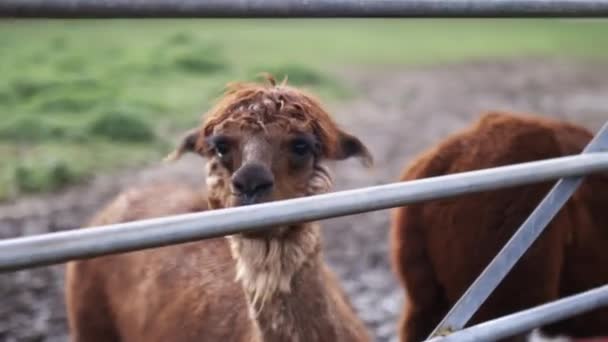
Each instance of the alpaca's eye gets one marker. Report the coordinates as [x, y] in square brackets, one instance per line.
[300, 147]
[221, 148]
[220, 145]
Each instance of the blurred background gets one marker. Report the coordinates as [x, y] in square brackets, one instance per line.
[89, 107]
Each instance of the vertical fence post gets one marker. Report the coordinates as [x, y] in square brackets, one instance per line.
[523, 238]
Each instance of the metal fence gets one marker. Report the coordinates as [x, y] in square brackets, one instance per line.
[24, 252]
[301, 8]
[527, 320]
[58, 247]
[46, 249]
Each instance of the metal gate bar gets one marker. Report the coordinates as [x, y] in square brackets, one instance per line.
[523, 238]
[59, 247]
[300, 8]
[524, 321]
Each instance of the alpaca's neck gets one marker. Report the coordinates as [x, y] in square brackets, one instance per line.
[291, 294]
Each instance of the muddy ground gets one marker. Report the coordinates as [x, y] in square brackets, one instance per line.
[398, 114]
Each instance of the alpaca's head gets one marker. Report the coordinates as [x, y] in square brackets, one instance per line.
[267, 142]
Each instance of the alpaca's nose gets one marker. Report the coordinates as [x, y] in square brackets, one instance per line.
[252, 181]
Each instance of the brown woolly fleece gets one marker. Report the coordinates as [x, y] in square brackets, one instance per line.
[440, 247]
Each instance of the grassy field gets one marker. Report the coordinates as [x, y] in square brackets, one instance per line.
[79, 97]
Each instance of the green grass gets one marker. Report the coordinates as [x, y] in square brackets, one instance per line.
[78, 97]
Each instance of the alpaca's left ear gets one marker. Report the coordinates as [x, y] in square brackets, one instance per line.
[187, 144]
[351, 146]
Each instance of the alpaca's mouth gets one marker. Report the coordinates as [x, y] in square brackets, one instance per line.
[240, 200]
[246, 200]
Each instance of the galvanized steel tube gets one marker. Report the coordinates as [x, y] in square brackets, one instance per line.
[59, 247]
[527, 320]
[517, 245]
[300, 8]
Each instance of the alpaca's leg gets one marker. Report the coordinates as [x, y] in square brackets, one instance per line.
[425, 302]
[533, 281]
[517, 338]
[86, 306]
[425, 306]
[416, 326]
[584, 266]
[583, 271]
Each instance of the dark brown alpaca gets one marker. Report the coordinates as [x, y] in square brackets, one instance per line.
[262, 143]
[440, 247]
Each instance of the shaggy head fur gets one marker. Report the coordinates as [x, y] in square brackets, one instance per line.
[280, 131]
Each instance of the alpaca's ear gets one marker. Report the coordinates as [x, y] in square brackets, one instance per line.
[187, 144]
[350, 146]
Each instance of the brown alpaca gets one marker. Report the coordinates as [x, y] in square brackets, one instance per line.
[440, 247]
[263, 143]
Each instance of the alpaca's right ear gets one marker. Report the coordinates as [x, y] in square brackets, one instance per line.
[188, 144]
[350, 146]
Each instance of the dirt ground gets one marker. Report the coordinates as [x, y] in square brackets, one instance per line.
[398, 114]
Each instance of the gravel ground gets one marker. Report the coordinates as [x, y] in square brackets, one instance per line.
[400, 113]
